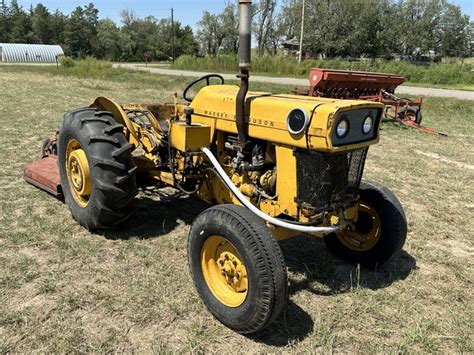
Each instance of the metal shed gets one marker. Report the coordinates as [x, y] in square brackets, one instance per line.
[41, 53]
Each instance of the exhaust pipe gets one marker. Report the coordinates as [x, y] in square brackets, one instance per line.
[245, 33]
[245, 46]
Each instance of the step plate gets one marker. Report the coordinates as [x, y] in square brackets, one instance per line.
[44, 174]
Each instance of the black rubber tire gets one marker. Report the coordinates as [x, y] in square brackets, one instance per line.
[44, 144]
[267, 274]
[111, 167]
[415, 111]
[393, 228]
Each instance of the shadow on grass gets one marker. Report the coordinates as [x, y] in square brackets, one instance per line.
[159, 212]
[292, 326]
[310, 266]
[314, 269]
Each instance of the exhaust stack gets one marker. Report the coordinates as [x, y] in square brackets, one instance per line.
[245, 33]
[245, 36]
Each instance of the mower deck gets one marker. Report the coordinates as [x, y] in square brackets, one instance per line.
[44, 174]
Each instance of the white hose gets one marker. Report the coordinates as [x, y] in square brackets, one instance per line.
[259, 213]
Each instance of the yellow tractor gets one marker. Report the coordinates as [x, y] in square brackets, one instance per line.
[273, 166]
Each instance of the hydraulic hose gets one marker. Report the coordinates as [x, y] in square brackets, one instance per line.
[275, 221]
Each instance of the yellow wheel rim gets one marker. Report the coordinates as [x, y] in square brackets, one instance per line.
[78, 173]
[224, 271]
[366, 231]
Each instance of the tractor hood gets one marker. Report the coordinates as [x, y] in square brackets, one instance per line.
[299, 121]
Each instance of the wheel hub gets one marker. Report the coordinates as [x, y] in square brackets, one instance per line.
[365, 232]
[232, 270]
[224, 271]
[78, 173]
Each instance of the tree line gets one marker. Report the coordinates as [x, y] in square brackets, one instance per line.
[82, 33]
[344, 28]
[333, 28]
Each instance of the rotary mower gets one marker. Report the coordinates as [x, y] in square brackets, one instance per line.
[274, 166]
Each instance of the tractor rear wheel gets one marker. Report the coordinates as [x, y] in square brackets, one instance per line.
[238, 268]
[380, 231]
[96, 169]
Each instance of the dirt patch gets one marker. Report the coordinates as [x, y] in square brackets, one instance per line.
[460, 249]
[445, 160]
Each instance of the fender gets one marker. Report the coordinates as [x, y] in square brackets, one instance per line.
[106, 104]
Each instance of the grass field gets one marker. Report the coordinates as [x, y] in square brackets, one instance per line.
[63, 289]
[445, 75]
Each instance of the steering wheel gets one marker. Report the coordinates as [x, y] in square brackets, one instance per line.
[205, 77]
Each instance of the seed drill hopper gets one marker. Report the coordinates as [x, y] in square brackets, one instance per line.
[376, 87]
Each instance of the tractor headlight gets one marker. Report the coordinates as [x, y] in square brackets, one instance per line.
[342, 128]
[355, 126]
[368, 124]
[297, 121]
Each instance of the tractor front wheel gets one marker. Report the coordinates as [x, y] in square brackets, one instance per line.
[96, 168]
[379, 233]
[238, 268]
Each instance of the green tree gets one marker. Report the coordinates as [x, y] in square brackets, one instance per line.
[57, 27]
[364, 36]
[76, 35]
[5, 20]
[108, 40]
[185, 43]
[20, 24]
[230, 28]
[210, 33]
[454, 33]
[91, 17]
[471, 40]
[390, 35]
[41, 24]
[420, 19]
[264, 22]
[288, 22]
[150, 35]
[81, 31]
[140, 35]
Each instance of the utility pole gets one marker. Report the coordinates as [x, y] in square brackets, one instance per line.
[172, 33]
[301, 36]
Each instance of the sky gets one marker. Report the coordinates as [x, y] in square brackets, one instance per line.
[188, 12]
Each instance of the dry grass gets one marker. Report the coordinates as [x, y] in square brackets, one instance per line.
[63, 289]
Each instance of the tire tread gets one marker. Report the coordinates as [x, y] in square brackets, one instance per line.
[112, 169]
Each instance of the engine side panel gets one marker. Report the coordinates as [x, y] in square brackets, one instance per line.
[267, 116]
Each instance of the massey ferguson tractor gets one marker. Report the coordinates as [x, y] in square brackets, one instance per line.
[273, 167]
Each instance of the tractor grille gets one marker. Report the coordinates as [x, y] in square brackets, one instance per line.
[328, 181]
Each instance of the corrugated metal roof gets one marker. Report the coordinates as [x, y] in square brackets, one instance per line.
[15, 52]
